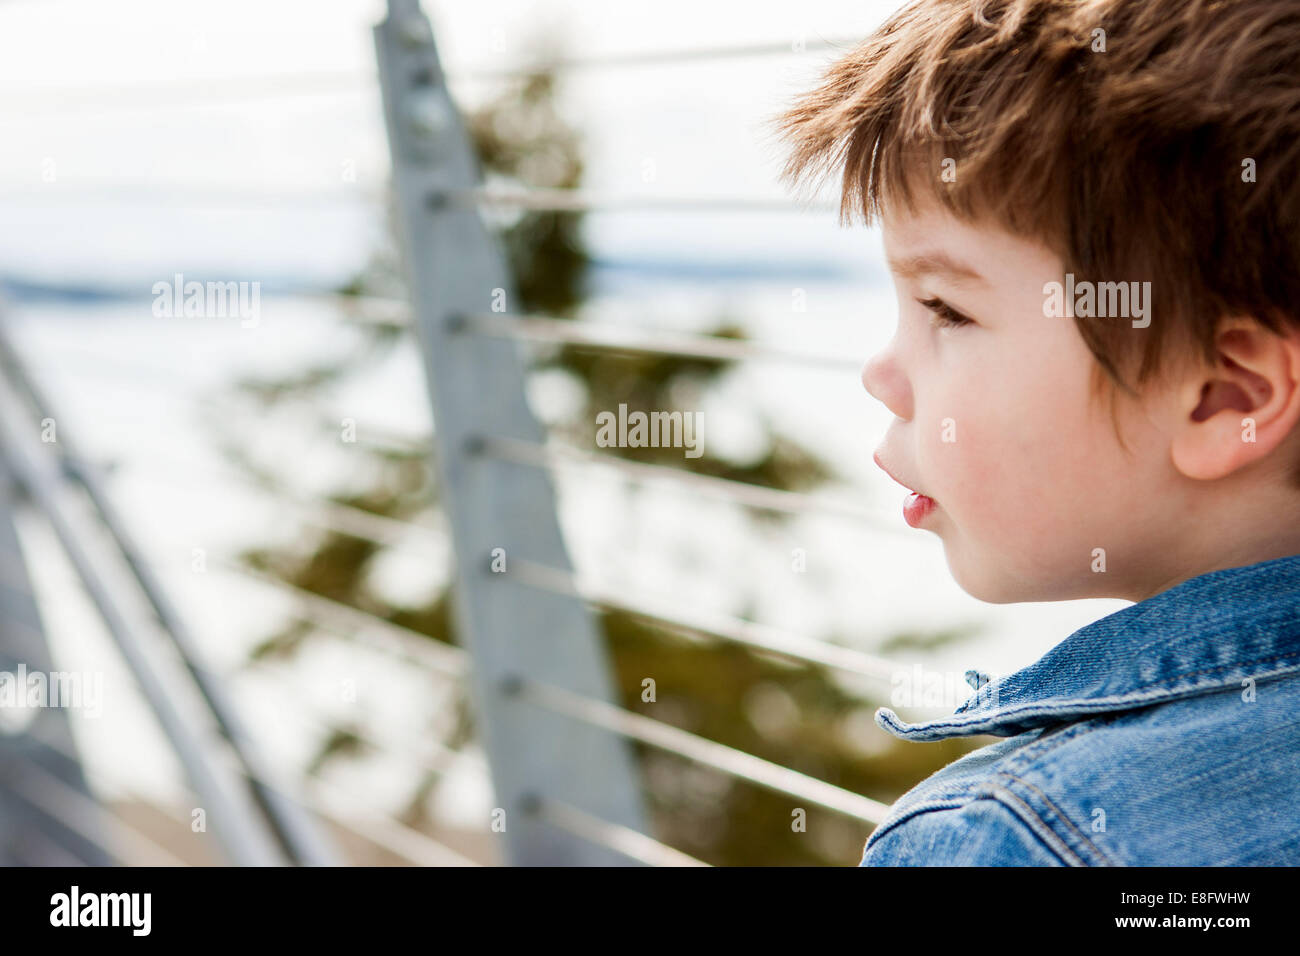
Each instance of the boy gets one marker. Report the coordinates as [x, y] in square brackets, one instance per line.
[1091, 212]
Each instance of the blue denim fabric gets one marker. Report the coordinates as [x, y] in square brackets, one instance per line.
[1165, 734]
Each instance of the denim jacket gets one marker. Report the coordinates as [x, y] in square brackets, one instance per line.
[1165, 734]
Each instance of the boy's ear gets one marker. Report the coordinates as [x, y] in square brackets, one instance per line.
[1243, 408]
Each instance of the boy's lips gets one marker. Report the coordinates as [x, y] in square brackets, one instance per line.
[916, 507]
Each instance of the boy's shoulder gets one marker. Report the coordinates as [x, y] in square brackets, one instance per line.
[1163, 734]
[1208, 780]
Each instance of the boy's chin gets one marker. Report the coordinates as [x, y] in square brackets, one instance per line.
[990, 592]
[983, 579]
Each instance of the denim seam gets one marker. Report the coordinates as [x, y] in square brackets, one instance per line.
[1040, 827]
[947, 803]
[1031, 752]
[1075, 704]
[1049, 839]
[1034, 752]
[1165, 683]
[1082, 837]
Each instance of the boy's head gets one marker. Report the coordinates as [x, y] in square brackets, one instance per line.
[1105, 197]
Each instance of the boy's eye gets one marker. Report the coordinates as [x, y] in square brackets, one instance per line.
[944, 314]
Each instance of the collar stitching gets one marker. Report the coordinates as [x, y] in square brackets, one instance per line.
[1162, 686]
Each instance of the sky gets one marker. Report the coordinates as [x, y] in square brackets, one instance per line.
[246, 137]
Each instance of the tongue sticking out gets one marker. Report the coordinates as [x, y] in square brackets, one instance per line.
[916, 508]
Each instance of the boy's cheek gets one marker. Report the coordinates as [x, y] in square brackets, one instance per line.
[1005, 481]
[969, 453]
[1023, 498]
[998, 444]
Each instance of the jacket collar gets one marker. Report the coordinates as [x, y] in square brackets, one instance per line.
[1206, 634]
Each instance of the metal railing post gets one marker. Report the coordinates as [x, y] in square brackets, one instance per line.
[498, 511]
[303, 840]
[27, 835]
[244, 835]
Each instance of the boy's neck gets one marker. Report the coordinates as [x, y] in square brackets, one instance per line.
[1217, 545]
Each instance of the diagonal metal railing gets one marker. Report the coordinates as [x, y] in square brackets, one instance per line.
[300, 839]
[280, 832]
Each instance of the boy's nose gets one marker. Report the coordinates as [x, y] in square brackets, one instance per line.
[885, 382]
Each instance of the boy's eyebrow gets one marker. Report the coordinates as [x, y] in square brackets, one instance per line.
[936, 262]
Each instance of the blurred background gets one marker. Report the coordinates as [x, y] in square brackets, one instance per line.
[276, 470]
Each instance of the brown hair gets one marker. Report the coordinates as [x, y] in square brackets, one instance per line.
[1123, 134]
